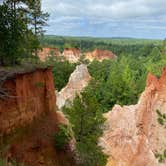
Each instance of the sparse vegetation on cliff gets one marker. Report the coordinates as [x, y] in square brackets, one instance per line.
[63, 137]
[162, 121]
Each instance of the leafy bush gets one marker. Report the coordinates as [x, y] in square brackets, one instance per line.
[63, 137]
[161, 157]
[162, 121]
[161, 118]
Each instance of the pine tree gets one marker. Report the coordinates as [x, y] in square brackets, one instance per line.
[21, 23]
[12, 31]
[37, 20]
[85, 116]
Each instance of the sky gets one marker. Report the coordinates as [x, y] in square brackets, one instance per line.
[107, 18]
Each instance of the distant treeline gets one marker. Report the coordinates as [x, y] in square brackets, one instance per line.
[117, 45]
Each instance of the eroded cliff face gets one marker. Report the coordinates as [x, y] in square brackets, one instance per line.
[78, 80]
[29, 119]
[29, 95]
[72, 54]
[47, 51]
[100, 55]
[132, 134]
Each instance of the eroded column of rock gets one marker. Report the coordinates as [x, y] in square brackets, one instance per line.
[132, 134]
[78, 80]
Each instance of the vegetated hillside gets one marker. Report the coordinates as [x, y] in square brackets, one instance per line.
[135, 135]
[113, 82]
[119, 81]
[117, 46]
[29, 119]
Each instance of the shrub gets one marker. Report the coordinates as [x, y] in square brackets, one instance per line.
[63, 137]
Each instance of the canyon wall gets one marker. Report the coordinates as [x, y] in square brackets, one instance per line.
[78, 80]
[29, 95]
[29, 119]
[47, 51]
[99, 55]
[73, 55]
[132, 134]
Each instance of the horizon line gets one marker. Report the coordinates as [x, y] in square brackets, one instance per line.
[100, 37]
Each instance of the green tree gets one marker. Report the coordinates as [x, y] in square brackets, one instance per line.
[37, 19]
[18, 39]
[12, 32]
[86, 118]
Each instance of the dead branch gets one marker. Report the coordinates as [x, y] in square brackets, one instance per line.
[5, 93]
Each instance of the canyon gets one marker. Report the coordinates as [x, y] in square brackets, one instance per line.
[132, 134]
[30, 116]
[29, 119]
[73, 55]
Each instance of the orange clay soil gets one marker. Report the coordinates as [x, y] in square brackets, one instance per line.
[34, 144]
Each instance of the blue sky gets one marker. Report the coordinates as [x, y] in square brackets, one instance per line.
[107, 18]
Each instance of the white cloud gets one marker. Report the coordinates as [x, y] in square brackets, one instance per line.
[110, 13]
[114, 9]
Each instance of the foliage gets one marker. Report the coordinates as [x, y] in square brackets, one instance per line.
[161, 118]
[37, 20]
[162, 121]
[12, 28]
[17, 38]
[117, 45]
[122, 81]
[63, 137]
[161, 157]
[3, 162]
[82, 60]
[61, 71]
[85, 115]
[117, 82]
